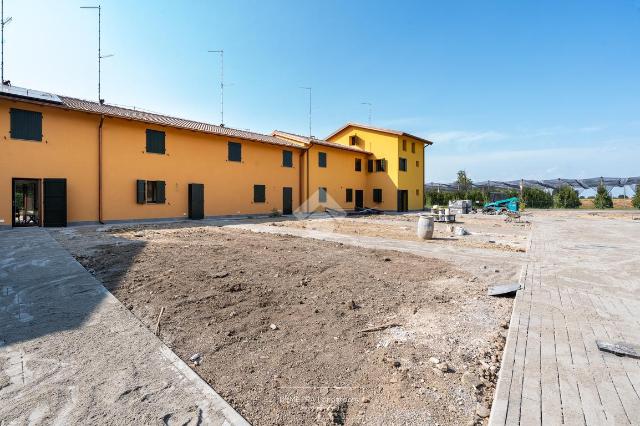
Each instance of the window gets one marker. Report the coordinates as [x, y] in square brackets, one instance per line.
[235, 151]
[322, 195]
[26, 125]
[353, 140]
[287, 159]
[417, 192]
[417, 163]
[377, 195]
[259, 193]
[349, 195]
[155, 191]
[155, 142]
[322, 159]
[404, 144]
[403, 164]
[413, 147]
[370, 166]
[358, 165]
[380, 165]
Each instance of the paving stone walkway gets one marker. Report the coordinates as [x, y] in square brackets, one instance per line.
[581, 283]
[71, 353]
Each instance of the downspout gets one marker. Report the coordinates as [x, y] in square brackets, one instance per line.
[100, 170]
[424, 167]
[307, 195]
[300, 179]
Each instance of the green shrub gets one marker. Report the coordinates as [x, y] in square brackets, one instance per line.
[636, 198]
[537, 198]
[603, 199]
[434, 197]
[566, 198]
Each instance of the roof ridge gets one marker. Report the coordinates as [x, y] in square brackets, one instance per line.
[159, 114]
[379, 129]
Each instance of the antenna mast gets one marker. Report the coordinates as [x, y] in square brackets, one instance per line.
[309, 89]
[370, 107]
[3, 22]
[221, 52]
[100, 56]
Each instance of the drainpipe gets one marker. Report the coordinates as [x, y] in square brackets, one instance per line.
[300, 179]
[100, 170]
[307, 195]
[424, 167]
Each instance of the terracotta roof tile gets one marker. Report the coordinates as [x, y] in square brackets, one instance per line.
[380, 129]
[153, 118]
[165, 120]
[305, 141]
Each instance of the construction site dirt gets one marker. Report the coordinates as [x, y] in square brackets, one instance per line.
[293, 330]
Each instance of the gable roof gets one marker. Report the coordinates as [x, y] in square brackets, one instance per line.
[379, 129]
[304, 140]
[90, 107]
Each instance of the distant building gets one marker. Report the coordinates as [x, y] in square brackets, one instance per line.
[69, 161]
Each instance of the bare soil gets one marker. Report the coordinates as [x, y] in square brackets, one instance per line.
[491, 232]
[618, 203]
[285, 327]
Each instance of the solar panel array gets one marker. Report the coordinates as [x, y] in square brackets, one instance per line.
[578, 184]
[20, 92]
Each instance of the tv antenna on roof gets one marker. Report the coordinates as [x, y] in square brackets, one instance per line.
[3, 22]
[221, 52]
[370, 107]
[100, 55]
[309, 89]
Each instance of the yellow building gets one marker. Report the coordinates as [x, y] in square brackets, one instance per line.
[65, 160]
[396, 167]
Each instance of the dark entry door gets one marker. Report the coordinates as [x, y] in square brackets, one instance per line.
[359, 199]
[196, 201]
[403, 200]
[55, 202]
[26, 202]
[287, 200]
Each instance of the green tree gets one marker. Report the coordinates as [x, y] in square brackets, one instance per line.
[636, 198]
[464, 183]
[566, 197]
[537, 198]
[603, 199]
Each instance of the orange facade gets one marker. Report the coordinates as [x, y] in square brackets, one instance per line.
[103, 155]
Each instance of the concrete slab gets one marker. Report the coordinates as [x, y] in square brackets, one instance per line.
[581, 286]
[70, 353]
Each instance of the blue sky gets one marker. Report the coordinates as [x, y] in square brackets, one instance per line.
[505, 89]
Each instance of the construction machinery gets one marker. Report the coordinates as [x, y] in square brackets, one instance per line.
[501, 206]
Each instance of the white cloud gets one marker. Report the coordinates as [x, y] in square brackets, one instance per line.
[466, 136]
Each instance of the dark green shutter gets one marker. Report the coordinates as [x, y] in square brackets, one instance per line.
[322, 159]
[141, 191]
[349, 195]
[370, 166]
[322, 195]
[287, 159]
[26, 125]
[234, 151]
[155, 141]
[259, 195]
[377, 195]
[160, 188]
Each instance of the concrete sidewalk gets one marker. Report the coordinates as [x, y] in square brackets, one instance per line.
[581, 285]
[70, 353]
